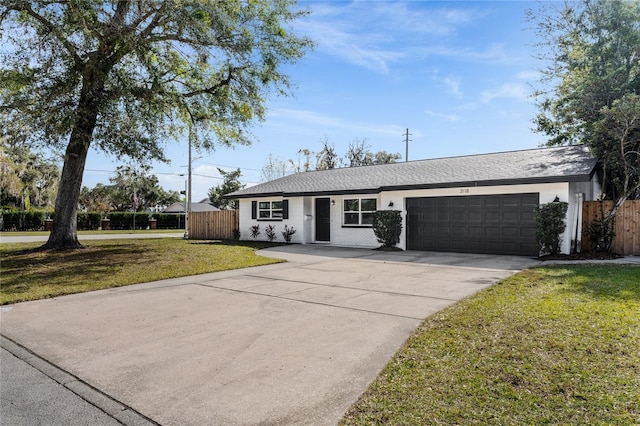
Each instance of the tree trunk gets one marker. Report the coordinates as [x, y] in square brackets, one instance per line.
[64, 234]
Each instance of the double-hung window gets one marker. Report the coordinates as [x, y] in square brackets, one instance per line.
[358, 211]
[270, 210]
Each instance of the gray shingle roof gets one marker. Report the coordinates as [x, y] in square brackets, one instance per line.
[178, 207]
[565, 163]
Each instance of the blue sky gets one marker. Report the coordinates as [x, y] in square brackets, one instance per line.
[457, 74]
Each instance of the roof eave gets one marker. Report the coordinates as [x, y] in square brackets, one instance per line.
[463, 184]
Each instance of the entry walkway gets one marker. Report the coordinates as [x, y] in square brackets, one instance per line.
[292, 343]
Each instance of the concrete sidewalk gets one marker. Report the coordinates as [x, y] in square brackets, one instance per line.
[292, 343]
[8, 239]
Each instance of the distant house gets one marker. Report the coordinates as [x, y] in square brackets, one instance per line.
[476, 203]
[201, 206]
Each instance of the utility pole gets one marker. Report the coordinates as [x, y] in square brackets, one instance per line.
[406, 142]
[188, 201]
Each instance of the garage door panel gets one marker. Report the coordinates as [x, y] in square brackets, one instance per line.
[458, 202]
[442, 202]
[511, 232]
[511, 217]
[459, 216]
[499, 224]
[527, 216]
[492, 201]
[492, 216]
[474, 216]
[475, 231]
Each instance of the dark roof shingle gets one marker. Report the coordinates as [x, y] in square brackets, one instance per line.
[565, 163]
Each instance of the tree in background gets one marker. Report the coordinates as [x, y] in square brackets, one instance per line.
[327, 158]
[119, 195]
[591, 86]
[359, 154]
[26, 178]
[273, 169]
[126, 76]
[97, 199]
[230, 183]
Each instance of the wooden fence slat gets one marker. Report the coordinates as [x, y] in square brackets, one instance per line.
[216, 225]
[627, 226]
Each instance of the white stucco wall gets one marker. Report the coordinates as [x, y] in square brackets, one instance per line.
[296, 220]
[302, 211]
[351, 236]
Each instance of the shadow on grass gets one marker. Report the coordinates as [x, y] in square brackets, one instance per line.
[46, 265]
[615, 282]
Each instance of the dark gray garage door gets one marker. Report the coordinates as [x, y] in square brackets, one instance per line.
[496, 224]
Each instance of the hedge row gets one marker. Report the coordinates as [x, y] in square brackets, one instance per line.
[34, 220]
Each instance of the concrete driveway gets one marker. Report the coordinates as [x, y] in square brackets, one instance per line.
[293, 343]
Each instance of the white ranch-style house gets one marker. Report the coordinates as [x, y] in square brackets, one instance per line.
[477, 203]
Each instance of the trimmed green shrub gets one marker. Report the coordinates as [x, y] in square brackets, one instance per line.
[550, 224]
[602, 232]
[387, 227]
[22, 220]
[89, 221]
[169, 220]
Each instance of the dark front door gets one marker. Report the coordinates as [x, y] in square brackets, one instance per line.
[496, 224]
[323, 219]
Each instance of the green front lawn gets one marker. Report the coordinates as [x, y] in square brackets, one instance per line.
[94, 232]
[552, 345]
[28, 275]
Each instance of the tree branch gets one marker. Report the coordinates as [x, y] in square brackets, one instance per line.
[213, 89]
[53, 29]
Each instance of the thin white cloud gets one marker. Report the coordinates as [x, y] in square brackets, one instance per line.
[448, 117]
[528, 75]
[454, 84]
[516, 91]
[375, 35]
[302, 119]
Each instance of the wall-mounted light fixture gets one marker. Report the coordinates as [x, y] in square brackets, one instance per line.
[390, 203]
[333, 202]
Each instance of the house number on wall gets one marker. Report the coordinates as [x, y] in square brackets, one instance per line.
[464, 190]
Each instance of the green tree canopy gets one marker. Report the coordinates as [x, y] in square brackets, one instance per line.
[591, 83]
[26, 175]
[128, 76]
[119, 195]
[230, 183]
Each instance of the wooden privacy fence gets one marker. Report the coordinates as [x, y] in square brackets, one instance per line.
[627, 226]
[217, 225]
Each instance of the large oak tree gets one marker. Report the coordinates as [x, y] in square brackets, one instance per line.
[590, 85]
[128, 76]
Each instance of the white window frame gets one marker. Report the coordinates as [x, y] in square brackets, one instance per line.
[270, 212]
[359, 212]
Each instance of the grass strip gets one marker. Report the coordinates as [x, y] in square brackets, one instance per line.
[31, 275]
[93, 232]
[551, 345]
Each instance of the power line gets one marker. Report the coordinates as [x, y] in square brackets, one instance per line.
[230, 167]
